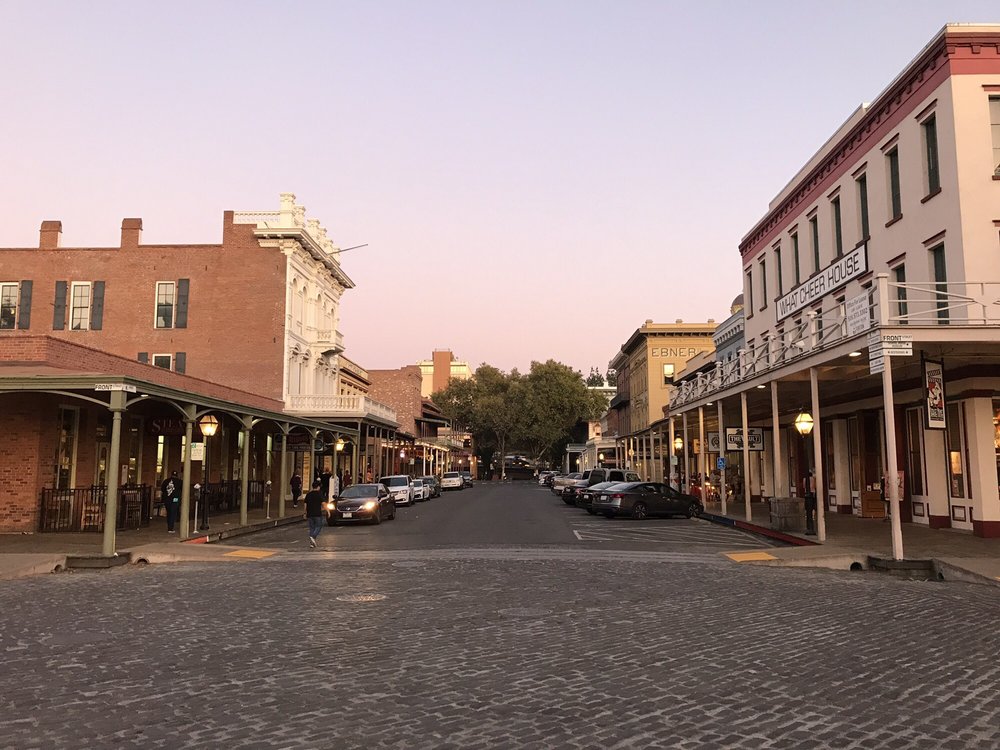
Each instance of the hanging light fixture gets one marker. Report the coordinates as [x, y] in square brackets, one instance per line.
[804, 423]
[678, 443]
[208, 424]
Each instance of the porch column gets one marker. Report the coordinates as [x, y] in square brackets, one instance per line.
[780, 490]
[283, 478]
[117, 408]
[817, 435]
[670, 461]
[746, 458]
[980, 429]
[722, 454]
[702, 453]
[245, 472]
[686, 484]
[891, 468]
[308, 481]
[185, 522]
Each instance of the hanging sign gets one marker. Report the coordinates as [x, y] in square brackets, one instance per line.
[934, 394]
[197, 451]
[734, 438]
[858, 313]
[713, 442]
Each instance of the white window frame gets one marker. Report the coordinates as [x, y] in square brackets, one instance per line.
[170, 359]
[156, 305]
[88, 308]
[17, 300]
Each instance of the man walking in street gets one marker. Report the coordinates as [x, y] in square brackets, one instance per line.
[296, 487]
[170, 494]
[314, 511]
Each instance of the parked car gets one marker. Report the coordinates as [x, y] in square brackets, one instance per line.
[643, 499]
[452, 480]
[551, 478]
[561, 481]
[434, 484]
[544, 475]
[585, 497]
[466, 478]
[399, 487]
[362, 502]
[421, 491]
[596, 476]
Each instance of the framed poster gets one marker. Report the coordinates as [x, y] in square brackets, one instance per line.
[934, 394]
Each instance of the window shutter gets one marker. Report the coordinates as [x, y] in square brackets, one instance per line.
[97, 307]
[181, 315]
[59, 308]
[180, 362]
[144, 357]
[24, 307]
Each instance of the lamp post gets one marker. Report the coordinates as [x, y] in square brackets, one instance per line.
[804, 426]
[208, 425]
[600, 460]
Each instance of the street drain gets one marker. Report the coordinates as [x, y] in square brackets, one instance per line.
[361, 598]
[409, 564]
[524, 612]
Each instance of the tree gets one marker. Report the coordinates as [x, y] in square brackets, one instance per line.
[595, 379]
[612, 378]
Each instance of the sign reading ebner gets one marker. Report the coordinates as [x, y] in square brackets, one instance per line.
[834, 276]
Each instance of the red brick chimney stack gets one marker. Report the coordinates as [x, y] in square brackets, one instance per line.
[131, 232]
[49, 234]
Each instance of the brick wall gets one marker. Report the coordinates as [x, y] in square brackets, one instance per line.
[399, 389]
[27, 455]
[235, 330]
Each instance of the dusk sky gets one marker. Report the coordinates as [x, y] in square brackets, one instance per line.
[534, 179]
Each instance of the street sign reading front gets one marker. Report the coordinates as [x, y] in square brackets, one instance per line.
[115, 387]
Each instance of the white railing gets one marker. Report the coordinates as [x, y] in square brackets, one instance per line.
[327, 405]
[329, 337]
[959, 303]
[263, 219]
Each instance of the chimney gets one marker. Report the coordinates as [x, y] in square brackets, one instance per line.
[49, 235]
[131, 232]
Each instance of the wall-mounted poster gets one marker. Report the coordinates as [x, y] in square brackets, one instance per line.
[934, 394]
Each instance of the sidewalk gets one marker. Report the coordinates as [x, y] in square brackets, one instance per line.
[850, 539]
[31, 554]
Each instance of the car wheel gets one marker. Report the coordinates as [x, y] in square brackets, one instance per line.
[609, 515]
[693, 510]
[639, 511]
[377, 517]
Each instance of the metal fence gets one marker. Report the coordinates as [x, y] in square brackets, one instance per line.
[224, 497]
[83, 508]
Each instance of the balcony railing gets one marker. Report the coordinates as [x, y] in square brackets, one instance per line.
[340, 406]
[960, 303]
[328, 337]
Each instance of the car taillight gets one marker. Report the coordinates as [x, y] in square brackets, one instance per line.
[618, 496]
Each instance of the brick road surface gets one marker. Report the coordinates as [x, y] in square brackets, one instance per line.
[473, 649]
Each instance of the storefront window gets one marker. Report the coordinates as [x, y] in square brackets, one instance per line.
[956, 463]
[66, 457]
[828, 455]
[915, 450]
[996, 433]
[134, 454]
[855, 451]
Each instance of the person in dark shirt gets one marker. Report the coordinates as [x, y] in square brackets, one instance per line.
[296, 485]
[314, 511]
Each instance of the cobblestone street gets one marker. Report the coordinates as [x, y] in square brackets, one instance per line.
[496, 647]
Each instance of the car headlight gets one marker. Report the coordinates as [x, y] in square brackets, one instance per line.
[331, 506]
[370, 505]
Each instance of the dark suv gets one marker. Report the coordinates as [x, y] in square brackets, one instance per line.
[571, 491]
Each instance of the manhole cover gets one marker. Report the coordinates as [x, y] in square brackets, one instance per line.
[409, 564]
[524, 612]
[361, 598]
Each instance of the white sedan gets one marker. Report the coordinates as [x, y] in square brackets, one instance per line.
[452, 480]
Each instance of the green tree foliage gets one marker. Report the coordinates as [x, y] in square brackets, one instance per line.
[534, 413]
[595, 379]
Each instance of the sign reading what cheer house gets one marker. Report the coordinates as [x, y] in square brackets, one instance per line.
[843, 269]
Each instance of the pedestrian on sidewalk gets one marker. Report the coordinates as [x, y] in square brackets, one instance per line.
[314, 511]
[170, 494]
[809, 485]
[296, 486]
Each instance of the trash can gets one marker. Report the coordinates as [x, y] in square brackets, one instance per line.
[788, 514]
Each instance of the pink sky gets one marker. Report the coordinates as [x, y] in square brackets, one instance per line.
[534, 179]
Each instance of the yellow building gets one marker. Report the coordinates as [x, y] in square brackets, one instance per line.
[646, 366]
[441, 368]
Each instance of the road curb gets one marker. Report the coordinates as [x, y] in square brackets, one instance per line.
[217, 536]
[780, 536]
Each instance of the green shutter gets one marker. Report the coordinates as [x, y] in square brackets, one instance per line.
[97, 306]
[180, 362]
[24, 307]
[59, 307]
[181, 314]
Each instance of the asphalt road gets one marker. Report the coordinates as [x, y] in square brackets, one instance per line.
[483, 620]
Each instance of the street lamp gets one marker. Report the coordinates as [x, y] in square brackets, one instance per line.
[804, 425]
[208, 424]
[600, 459]
[678, 443]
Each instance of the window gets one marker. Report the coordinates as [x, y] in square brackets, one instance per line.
[163, 360]
[940, 282]
[763, 284]
[915, 450]
[829, 457]
[895, 201]
[931, 169]
[956, 450]
[862, 183]
[995, 130]
[749, 294]
[79, 306]
[899, 276]
[8, 304]
[814, 231]
[795, 258]
[166, 294]
[777, 270]
[854, 449]
[668, 373]
[838, 236]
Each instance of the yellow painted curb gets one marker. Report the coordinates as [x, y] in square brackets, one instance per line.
[254, 554]
[749, 556]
